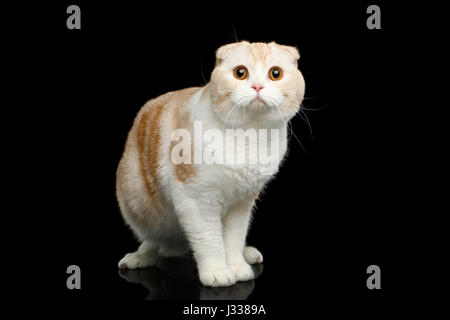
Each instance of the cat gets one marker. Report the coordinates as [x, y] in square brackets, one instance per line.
[175, 207]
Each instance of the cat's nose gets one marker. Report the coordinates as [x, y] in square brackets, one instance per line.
[257, 87]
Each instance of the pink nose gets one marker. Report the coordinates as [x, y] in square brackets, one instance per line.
[257, 86]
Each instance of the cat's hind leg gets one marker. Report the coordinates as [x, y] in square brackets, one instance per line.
[145, 256]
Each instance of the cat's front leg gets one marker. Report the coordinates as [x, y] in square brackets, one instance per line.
[201, 222]
[235, 227]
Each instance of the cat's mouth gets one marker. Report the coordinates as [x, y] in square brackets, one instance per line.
[258, 102]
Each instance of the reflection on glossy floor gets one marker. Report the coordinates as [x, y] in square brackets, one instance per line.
[175, 278]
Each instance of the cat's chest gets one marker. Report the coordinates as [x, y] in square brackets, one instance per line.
[247, 175]
[235, 182]
[241, 179]
[240, 162]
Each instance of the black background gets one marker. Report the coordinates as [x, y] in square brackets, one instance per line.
[340, 203]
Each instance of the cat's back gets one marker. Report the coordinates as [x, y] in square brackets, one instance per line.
[164, 104]
[157, 113]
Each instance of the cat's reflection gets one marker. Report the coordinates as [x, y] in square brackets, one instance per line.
[175, 278]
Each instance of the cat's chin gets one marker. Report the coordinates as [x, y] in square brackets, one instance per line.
[258, 105]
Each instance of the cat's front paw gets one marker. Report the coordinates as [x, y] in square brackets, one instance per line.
[220, 277]
[242, 270]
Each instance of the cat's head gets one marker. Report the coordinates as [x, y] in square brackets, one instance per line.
[256, 81]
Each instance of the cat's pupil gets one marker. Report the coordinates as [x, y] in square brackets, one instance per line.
[276, 73]
[241, 72]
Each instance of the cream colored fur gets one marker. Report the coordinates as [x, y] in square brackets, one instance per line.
[206, 208]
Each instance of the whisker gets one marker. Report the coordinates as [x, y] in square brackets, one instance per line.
[279, 111]
[229, 113]
[223, 103]
[201, 72]
[234, 32]
[236, 114]
[301, 112]
[304, 117]
[291, 131]
[318, 109]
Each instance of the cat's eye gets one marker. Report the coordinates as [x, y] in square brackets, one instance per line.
[275, 74]
[240, 72]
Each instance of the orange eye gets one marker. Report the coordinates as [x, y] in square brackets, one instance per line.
[275, 74]
[240, 72]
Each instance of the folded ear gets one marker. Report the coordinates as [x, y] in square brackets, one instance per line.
[292, 51]
[224, 50]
